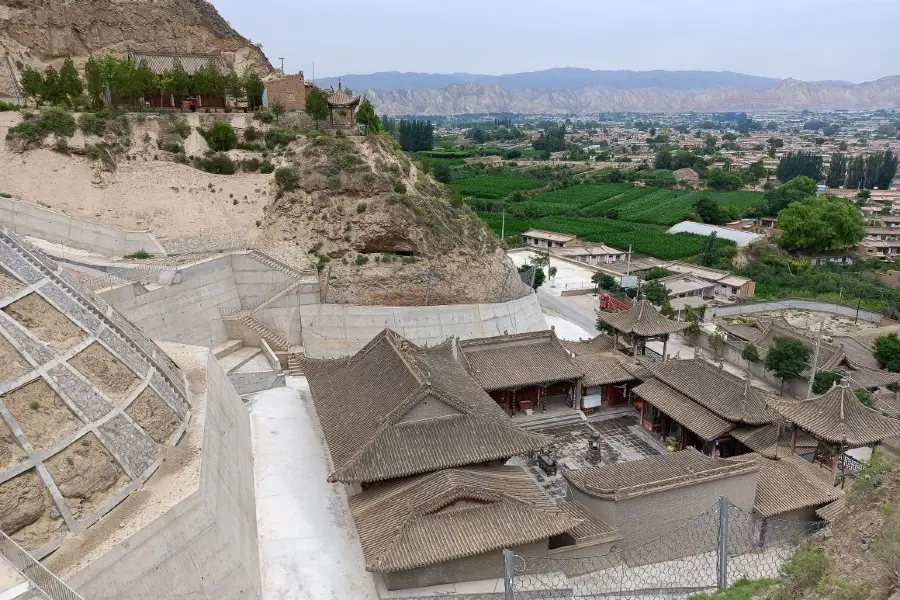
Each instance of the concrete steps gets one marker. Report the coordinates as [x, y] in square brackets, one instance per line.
[275, 264]
[229, 347]
[239, 358]
[542, 422]
[294, 369]
[276, 340]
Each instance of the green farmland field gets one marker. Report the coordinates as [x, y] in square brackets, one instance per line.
[494, 187]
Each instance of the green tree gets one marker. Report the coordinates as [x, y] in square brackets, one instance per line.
[32, 84]
[317, 105]
[145, 80]
[366, 116]
[721, 179]
[442, 172]
[253, 88]
[793, 191]
[823, 381]
[788, 358]
[209, 80]
[708, 254]
[866, 397]
[773, 144]
[717, 343]
[51, 92]
[666, 309]
[800, 164]
[532, 275]
[820, 224]
[221, 137]
[605, 282]
[887, 352]
[837, 171]
[709, 211]
[277, 109]
[70, 84]
[655, 292]
[93, 80]
[234, 85]
[750, 353]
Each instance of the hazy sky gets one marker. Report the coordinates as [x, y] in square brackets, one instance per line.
[853, 40]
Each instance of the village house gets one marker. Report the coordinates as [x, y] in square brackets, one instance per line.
[687, 286]
[693, 403]
[607, 380]
[538, 238]
[590, 254]
[726, 284]
[740, 238]
[524, 372]
[420, 445]
[288, 90]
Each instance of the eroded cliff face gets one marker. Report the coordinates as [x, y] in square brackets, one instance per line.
[44, 32]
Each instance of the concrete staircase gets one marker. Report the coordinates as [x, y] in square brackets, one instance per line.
[294, 369]
[552, 420]
[275, 339]
[276, 265]
[22, 577]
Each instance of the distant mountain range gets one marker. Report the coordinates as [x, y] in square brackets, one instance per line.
[584, 91]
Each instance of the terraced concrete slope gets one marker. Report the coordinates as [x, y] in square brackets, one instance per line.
[86, 401]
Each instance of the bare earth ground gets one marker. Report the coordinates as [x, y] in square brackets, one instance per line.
[169, 199]
[41, 414]
[105, 371]
[153, 415]
[27, 509]
[12, 364]
[86, 475]
[809, 320]
[8, 285]
[10, 452]
[47, 323]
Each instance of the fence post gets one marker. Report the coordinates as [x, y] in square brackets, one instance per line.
[722, 558]
[508, 593]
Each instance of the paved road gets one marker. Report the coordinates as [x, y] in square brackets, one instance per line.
[577, 309]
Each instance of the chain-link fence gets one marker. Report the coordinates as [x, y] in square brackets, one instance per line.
[709, 552]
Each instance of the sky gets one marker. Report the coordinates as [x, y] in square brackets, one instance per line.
[850, 40]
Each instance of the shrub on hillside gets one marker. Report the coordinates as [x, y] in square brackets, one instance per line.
[286, 179]
[35, 128]
[251, 164]
[218, 163]
[279, 137]
[92, 124]
[221, 137]
[251, 133]
[266, 167]
[264, 117]
[179, 128]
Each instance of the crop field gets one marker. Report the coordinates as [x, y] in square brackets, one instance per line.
[644, 239]
[494, 187]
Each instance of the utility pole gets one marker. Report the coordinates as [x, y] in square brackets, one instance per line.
[628, 264]
[281, 58]
[503, 225]
[812, 368]
[428, 287]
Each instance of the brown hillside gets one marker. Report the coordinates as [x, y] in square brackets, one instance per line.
[42, 32]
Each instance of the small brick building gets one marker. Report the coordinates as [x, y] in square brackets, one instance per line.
[289, 90]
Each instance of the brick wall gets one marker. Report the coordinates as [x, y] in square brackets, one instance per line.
[290, 91]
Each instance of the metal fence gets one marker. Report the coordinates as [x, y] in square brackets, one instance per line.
[711, 551]
[38, 575]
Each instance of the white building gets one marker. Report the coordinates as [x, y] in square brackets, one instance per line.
[741, 238]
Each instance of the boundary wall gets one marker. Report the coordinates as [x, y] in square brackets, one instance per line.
[206, 546]
[335, 330]
[46, 224]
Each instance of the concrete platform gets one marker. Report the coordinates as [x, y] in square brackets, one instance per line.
[12, 583]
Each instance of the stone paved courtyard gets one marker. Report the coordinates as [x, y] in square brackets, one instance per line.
[571, 449]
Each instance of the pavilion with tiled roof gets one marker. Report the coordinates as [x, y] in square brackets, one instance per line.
[394, 410]
[697, 404]
[839, 421]
[640, 324]
[342, 105]
[523, 371]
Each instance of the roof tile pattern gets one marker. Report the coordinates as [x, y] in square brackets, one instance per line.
[837, 416]
[788, 484]
[362, 401]
[703, 422]
[596, 345]
[718, 390]
[451, 514]
[654, 474]
[642, 320]
[762, 440]
[518, 360]
[602, 369]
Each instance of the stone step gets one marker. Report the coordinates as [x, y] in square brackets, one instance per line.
[294, 368]
[229, 347]
[275, 339]
[551, 421]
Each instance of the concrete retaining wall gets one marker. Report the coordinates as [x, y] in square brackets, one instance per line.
[27, 219]
[206, 547]
[186, 312]
[793, 303]
[333, 330]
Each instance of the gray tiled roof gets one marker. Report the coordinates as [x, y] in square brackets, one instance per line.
[761, 439]
[654, 474]
[363, 401]
[725, 394]
[518, 360]
[870, 378]
[858, 353]
[642, 319]
[832, 512]
[837, 416]
[452, 514]
[592, 528]
[602, 369]
[829, 357]
[703, 422]
[788, 484]
[596, 345]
